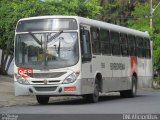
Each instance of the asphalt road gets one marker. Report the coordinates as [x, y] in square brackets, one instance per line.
[146, 102]
[110, 107]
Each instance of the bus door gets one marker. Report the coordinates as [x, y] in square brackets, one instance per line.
[86, 58]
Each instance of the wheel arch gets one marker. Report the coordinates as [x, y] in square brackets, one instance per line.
[98, 77]
[136, 76]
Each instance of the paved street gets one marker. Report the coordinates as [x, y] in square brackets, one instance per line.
[147, 101]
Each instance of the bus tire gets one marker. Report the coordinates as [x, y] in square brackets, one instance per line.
[43, 100]
[132, 92]
[93, 98]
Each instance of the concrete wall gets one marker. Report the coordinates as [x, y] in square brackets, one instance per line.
[11, 68]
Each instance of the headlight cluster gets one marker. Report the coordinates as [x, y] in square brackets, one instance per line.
[71, 78]
[21, 80]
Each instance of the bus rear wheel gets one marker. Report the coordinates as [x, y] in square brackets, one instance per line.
[93, 98]
[43, 100]
[133, 91]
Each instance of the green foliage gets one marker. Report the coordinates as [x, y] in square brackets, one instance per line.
[109, 11]
[116, 12]
[6, 27]
[73, 7]
[157, 79]
[13, 10]
[140, 23]
[156, 51]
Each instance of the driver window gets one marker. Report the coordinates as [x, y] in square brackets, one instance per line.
[85, 45]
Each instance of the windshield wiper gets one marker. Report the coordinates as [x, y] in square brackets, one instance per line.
[55, 36]
[35, 38]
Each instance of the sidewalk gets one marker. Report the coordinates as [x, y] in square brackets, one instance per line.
[7, 97]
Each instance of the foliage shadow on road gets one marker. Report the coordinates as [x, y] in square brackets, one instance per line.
[81, 101]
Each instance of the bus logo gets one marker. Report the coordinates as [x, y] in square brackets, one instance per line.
[45, 82]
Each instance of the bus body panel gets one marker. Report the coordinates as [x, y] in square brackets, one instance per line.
[144, 73]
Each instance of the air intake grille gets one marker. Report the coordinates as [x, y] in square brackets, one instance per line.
[42, 82]
[53, 88]
[48, 75]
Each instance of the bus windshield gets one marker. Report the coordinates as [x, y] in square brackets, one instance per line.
[50, 50]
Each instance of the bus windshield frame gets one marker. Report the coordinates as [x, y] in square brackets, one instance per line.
[57, 48]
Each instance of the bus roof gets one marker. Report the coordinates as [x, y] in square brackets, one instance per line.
[95, 23]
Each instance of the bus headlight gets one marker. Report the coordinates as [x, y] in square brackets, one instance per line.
[71, 78]
[21, 80]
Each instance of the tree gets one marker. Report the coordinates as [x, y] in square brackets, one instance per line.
[84, 8]
[12, 10]
[116, 12]
[141, 23]
[6, 39]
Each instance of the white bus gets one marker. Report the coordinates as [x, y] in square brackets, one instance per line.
[71, 55]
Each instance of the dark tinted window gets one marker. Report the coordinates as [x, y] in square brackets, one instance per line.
[95, 40]
[115, 43]
[132, 45]
[140, 47]
[105, 41]
[85, 45]
[124, 44]
[147, 48]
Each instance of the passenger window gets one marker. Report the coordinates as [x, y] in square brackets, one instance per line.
[140, 47]
[124, 44]
[147, 48]
[95, 40]
[115, 43]
[105, 42]
[132, 45]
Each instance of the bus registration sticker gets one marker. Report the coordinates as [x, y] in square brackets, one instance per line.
[25, 72]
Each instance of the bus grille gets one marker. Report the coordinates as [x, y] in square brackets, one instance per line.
[49, 82]
[53, 88]
[48, 75]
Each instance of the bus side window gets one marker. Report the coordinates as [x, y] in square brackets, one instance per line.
[115, 43]
[85, 45]
[132, 45]
[140, 48]
[95, 39]
[147, 48]
[105, 42]
[124, 44]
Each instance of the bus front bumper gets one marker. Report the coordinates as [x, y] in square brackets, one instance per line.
[50, 90]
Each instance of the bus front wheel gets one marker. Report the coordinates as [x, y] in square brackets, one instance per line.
[43, 100]
[93, 98]
[133, 91]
